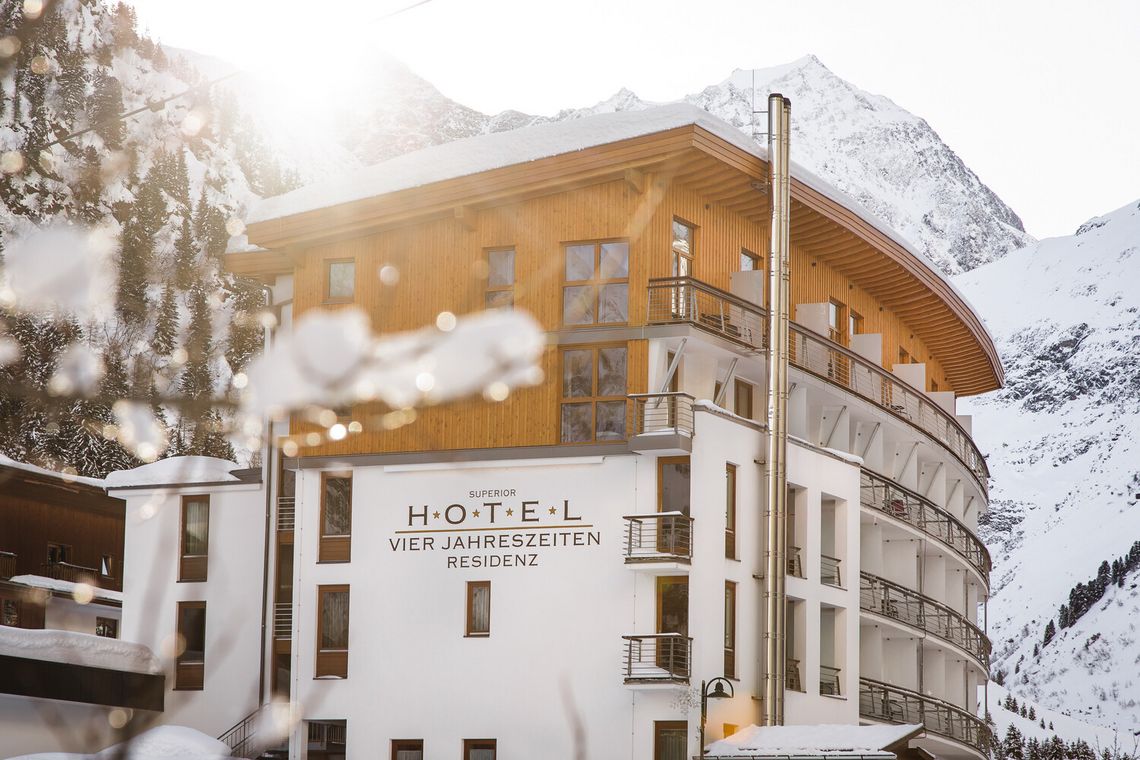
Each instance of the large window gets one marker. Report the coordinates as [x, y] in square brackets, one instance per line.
[596, 289]
[332, 632]
[670, 740]
[742, 398]
[478, 608]
[189, 672]
[730, 511]
[336, 517]
[407, 749]
[479, 749]
[729, 629]
[340, 281]
[500, 292]
[593, 394]
[195, 538]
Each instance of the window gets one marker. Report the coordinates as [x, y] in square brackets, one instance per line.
[478, 608]
[728, 729]
[835, 317]
[500, 279]
[854, 322]
[332, 632]
[749, 261]
[478, 749]
[729, 629]
[670, 740]
[195, 538]
[336, 517]
[191, 663]
[904, 356]
[742, 398]
[597, 283]
[933, 385]
[57, 553]
[593, 394]
[107, 566]
[9, 612]
[107, 627]
[407, 749]
[730, 511]
[340, 281]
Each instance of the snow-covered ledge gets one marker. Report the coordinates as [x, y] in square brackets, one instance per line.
[74, 648]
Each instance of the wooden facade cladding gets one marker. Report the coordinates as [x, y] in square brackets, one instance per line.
[437, 235]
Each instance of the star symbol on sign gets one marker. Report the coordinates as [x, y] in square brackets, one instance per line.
[510, 512]
[553, 511]
[475, 513]
[435, 515]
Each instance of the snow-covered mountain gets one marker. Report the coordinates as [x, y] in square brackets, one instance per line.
[892, 161]
[1063, 441]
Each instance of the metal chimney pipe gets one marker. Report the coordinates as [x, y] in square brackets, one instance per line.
[775, 575]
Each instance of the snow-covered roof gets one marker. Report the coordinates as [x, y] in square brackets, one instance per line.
[175, 471]
[827, 740]
[65, 587]
[8, 462]
[77, 649]
[159, 743]
[481, 153]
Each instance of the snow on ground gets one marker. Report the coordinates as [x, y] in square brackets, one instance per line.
[175, 470]
[1068, 728]
[159, 743]
[820, 740]
[67, 587]
[77, 649]
[9, 462]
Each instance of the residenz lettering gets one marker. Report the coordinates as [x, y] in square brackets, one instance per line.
[493, 519]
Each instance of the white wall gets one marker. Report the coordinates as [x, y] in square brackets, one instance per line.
[42, 725]
[68, 615]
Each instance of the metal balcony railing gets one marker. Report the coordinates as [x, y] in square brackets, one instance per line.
[829, 571]
[283, 620]
[683, 299]
[792, 675]
[7, 564]
[795, 562]
[883, 597]
[829, 681]
[876, 492]
[286, 512]
[663, 657]
[893, 704]
[662, 413]
[323, 734]
[659, 537]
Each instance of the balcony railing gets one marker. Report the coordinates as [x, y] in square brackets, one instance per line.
[829, 681]
[660, 657]
[829, 571]
[7, 564]
[876, 492]
[659, 537]
[683, 299]
[283, 620]
[65, 571]
[286, 512]
[662, 413]
[882, 597]
[795, 562]
[792, 675]
[893, 704]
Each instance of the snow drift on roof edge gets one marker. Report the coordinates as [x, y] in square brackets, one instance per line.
[174, 471]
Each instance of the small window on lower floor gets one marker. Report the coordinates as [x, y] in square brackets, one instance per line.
[479, 608]
[190, 667]
[479, 749]
[332, 631]
[9, 612]
[407, 749]
[107, 627]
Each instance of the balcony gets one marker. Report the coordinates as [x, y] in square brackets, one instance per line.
[282, 620]
[286, 512]
[7, 564]
[892, 704]
[660, 658]
[676, 300]
[882, 597]
[662, 423]
[660, 539]
[829, 681]
[44, 679]
[880, 494]
[683, 300]
[829, 571]
[65, 571]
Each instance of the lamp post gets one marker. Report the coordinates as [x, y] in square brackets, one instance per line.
[718, 692]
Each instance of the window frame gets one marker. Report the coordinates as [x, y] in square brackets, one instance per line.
[738, 385]
[854, 323]
[334, 548]
[192, 568]
[593, 399]
[469, 624]
[407, 745]
[489, 289]
[757, 265]
[596, 281]
[730, 620]
[102, 621]
[331, 663]
[326, 294]
[473, 744]
[63, 552]
[190, 675]
[731, 503]
[837, 332]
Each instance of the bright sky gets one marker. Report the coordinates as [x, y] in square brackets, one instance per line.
[1039, 97]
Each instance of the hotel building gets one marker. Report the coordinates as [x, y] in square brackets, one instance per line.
[563, 569]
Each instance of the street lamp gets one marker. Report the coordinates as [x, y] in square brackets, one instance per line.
[718, 692]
